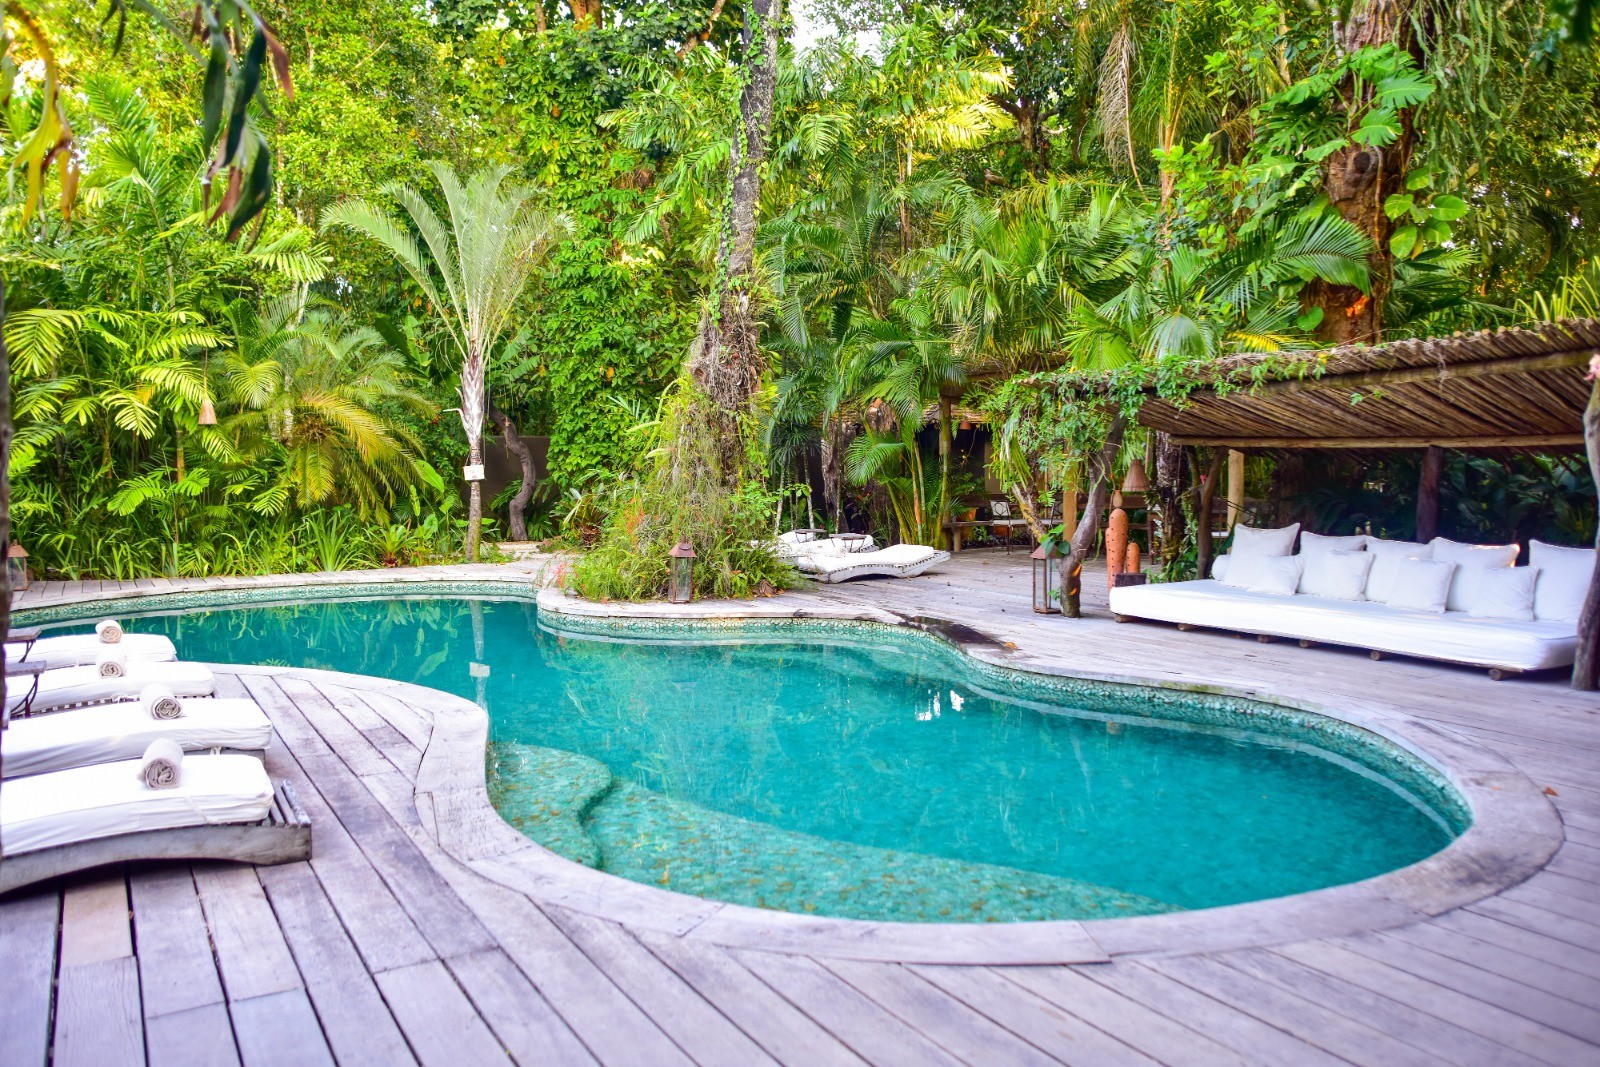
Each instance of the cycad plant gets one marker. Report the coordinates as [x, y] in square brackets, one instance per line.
[472, 270]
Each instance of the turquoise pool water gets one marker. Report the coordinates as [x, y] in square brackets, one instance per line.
[860, 772]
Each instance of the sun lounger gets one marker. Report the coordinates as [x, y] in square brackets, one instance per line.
[896, 561]
[223, 807]
[81, 737]
[70, 686]
[78, 650]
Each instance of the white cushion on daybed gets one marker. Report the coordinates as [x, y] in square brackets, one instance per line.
[1448, 635]
[86, 803]
[1278, 575]
[1505, 593]
[1471, 561]
[81, 737]
[1340, 574]
[1312, 544]
[1253, 541]
[1421, 585]
[1564, 576]
[1386, 559]
[896, 561]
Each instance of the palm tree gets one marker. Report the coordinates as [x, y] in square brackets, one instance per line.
[313, 392]
[472, 272]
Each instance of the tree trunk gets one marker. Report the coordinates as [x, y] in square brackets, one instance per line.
[5, 498]
[585, 13]
[1428, 493]
[835, 439]
[473, 396]
[1586, 668]
[1358, 179]
[727, 363]
[1170, 461]
[1088, 530]
[1207, 492]
[530, 479]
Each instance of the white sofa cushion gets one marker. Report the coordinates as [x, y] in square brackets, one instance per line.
[1252, 541]
[1470, 561]
[1452, 636]
[1312, 544]
[1564, 576]
[1220, 565]
[1386, 559]
[1277, 575]
[1336, 574]
[1421, 585]
[1504, 593]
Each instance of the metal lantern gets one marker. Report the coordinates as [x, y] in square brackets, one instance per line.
[680, 588]
[17, 567]
[1046, 579]
[1137, 480]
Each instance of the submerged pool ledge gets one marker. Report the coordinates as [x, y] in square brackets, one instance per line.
[1514, 830]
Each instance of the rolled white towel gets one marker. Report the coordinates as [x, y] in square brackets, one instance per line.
[162, 765]
[109, 631]
[111, 662]
[160, 702]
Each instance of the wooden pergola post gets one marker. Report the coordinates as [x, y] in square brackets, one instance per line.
[1428, 493]
[1235, 487]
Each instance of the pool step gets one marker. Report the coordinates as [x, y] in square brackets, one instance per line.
[547, 793]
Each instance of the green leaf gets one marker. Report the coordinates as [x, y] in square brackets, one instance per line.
[1398, 204]
[1309, 320]
[1403, 242]
[1448, 208]
[1419, 179]
[1436, 232]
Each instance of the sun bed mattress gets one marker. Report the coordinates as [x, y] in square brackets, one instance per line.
[76, 650]
[81, 737]
[1451, 635]
[85, 685]
[896, 561]
[87, 803]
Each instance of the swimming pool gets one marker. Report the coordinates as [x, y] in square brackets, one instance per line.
[857, 771]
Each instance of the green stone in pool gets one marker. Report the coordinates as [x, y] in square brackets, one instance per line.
[864, 773]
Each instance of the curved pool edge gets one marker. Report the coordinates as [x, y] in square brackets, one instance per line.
[1515, 830]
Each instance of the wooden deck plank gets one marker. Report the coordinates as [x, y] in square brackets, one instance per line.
[947, 1021]
[338, 732]
[279, 1028]
[251, 951]
[440, 1022]
[786, 1033]
[1127, 1020]
[98, 1021]
[1540, 946]
[197, 1037]
[677, 1007]
[358, 1025]
[523, 1021]
[390, 743]
[874, 1034]
[94, 921]
[29, 928]
[1289, 1011]
[177, 971]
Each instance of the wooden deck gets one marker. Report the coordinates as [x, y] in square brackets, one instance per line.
[384, 950]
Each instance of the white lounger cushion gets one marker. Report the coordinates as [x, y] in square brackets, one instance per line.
[76, 650]
[896, 561]
[86, 803]
[1360, 624]
[81, 737]
[85, 685]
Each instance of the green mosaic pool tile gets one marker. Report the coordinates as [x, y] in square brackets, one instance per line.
[546, 793]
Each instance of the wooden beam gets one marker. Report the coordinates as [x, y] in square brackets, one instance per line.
[1434, 373]
[1547, 440]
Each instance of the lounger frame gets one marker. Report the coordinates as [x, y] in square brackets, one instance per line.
[284, 836]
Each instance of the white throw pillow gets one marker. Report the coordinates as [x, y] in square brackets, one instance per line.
[1564, 575]
[1219, 568]
[1470, 561]
[1421, 585]
[1386, 559]
[1250, 541]
[1277, 575]
[1504, 593]
[1312, 544]
[1339, 575]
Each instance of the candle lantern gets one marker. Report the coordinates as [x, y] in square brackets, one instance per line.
[1047, 578]
[680, 585]
[17, 567]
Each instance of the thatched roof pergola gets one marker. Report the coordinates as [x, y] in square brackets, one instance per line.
[1513, 388]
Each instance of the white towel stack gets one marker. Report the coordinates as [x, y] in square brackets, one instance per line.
[162, 765]
[160, 702]
[111, 663]
[109, 631]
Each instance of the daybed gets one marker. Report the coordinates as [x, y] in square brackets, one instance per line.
[896, 561]
[82, 737]
[222, 807]
[1443, 600]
